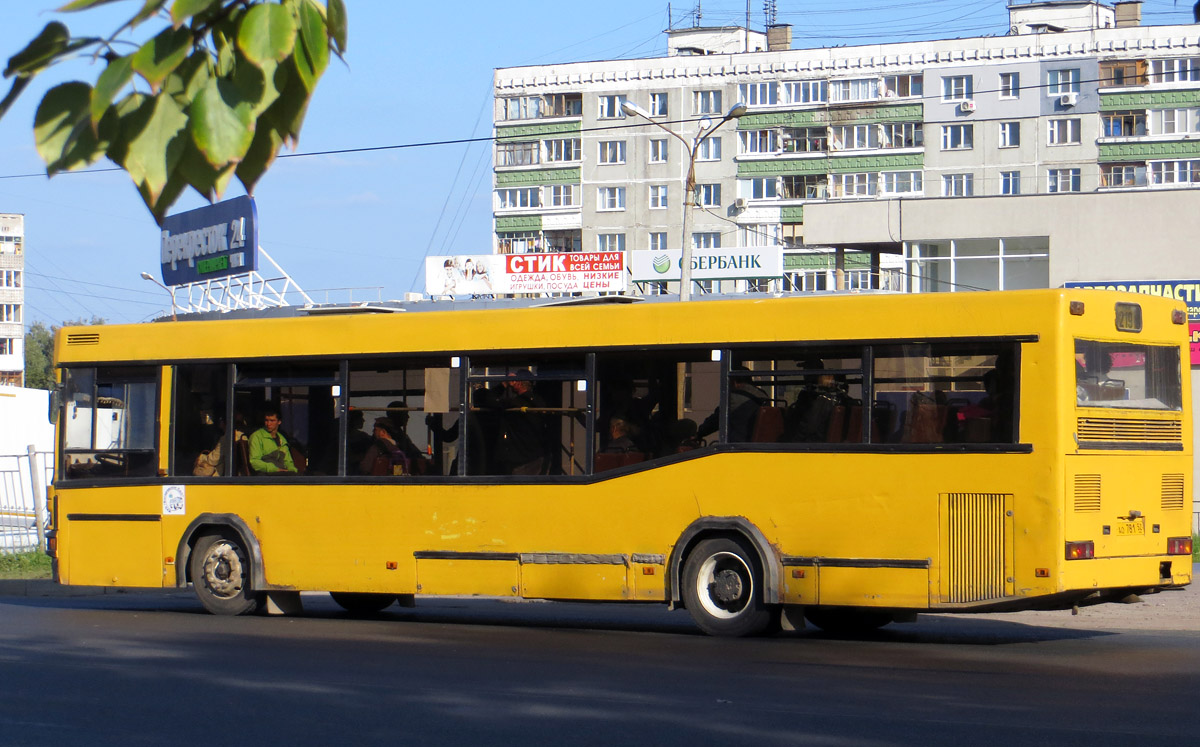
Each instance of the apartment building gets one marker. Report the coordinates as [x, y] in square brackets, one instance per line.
[1065, 148]
[12, 300]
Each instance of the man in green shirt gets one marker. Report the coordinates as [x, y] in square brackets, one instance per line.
[269, 450]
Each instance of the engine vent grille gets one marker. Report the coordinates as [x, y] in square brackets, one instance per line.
[974, 547]
[1172, 492]
[1087, 493]
[1129, 431]
[84, 338]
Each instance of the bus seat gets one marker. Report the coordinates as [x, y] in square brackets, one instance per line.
[241, 459]
[835, 432]
[606, 461]
[768, 425]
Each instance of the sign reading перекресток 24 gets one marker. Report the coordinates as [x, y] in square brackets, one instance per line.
[210, 242]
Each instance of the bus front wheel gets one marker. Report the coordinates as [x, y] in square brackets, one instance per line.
[360, 603]
[721, 589]
[220, 569]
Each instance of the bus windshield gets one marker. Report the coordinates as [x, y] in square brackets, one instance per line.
[1127, 376]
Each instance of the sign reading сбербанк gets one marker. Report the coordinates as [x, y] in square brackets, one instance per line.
[210, 242]
[732, 263]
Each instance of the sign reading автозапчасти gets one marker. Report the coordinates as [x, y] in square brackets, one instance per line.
[210, 242]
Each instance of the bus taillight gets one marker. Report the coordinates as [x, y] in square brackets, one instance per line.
[1179, 546]
[1080, 550]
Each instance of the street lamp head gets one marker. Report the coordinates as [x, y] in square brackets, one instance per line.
[147, 276]
[738, 110]
[633, 110]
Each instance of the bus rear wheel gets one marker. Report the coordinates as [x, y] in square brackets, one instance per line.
[362, 604]
[220, 568]
[722, 589]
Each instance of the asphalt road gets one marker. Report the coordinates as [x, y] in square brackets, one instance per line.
[155, 669]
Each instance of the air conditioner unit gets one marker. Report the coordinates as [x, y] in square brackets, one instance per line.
[739, 203]
[966, 107]
[1069, 99]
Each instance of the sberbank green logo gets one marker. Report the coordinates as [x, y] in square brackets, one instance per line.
[661, 264]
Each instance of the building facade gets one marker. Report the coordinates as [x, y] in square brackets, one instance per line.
[1065, 150]
[12, 299]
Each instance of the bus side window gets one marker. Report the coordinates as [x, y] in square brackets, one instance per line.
[198, 414]
[109, 422]
[303, 396]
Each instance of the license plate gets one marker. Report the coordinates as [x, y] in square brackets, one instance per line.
[1130, 528]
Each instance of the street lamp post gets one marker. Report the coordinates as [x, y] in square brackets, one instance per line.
[689, 182]
[152, 279]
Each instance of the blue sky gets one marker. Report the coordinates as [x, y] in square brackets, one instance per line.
[416, 73]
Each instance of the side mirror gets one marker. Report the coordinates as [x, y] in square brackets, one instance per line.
[55, 403]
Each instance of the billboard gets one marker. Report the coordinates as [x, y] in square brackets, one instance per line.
[734, 263]
[210, 242]
[1187, 291]
[550, 272]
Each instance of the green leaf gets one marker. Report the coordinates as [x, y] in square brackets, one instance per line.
[116, 76]
[256, 85]
[62, 128]
[209, 181]
[40, 52]
[184, 9]
[83, 5]
[287, 113]
[162, 54]
[259, 158]
[222, 125]
[160, 203]
[17, 86]
[313, 36]
[154, 148]
[185, 82]
[267, 32]
[336, 19]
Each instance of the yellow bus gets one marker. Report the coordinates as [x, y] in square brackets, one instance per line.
[849, 459]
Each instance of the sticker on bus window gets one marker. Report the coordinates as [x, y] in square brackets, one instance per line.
[174, 500]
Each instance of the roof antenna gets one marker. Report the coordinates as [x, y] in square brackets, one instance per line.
[769, 8]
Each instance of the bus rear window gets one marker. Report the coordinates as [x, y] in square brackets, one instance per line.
[1127, 376]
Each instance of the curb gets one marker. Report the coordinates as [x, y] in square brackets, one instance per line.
[43, 587]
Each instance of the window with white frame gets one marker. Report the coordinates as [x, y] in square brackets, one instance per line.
[854, 137]
[610, 198]
[1010, 85]
[610, 242]
[658, 150]
[1173, 121]
[758, 141]
[518, 107]
[10, 279]
[902, 86]
[1062, 81]
[518, 242]
[1062, 180]
[760, 234]
[708, 195]
[564, 195]
[806, 139]
[758, 94]
[903, 135]
[1064, 131]
[658, 104]
[761, 188]
[958, 87]
[518, 198]
[1010, 182]
[612, 151]
[564, 149]
[973, 264]
[902, 182]
[805, 91]
[610, 107]
[958, 137]
[709, 149]
[855, 185]
[958, 185]
[1178, 70]
[706, 240]
[7, 346]
[10, 312]
[706, 102]
[658, 241]
[1174, 172]
[518, 154]
[1010, 134]
[658, 196]
[855, 89]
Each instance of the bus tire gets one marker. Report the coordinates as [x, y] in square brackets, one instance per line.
[722, 582]
[221, 573]
[846, 620]
[362, 604]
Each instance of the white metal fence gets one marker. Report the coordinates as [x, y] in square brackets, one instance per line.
[23, 481]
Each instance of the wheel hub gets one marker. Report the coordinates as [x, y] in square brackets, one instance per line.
[726, 586]
[223, 571]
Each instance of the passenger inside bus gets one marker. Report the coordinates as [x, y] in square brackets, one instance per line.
[385, 456]
[270, 452]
